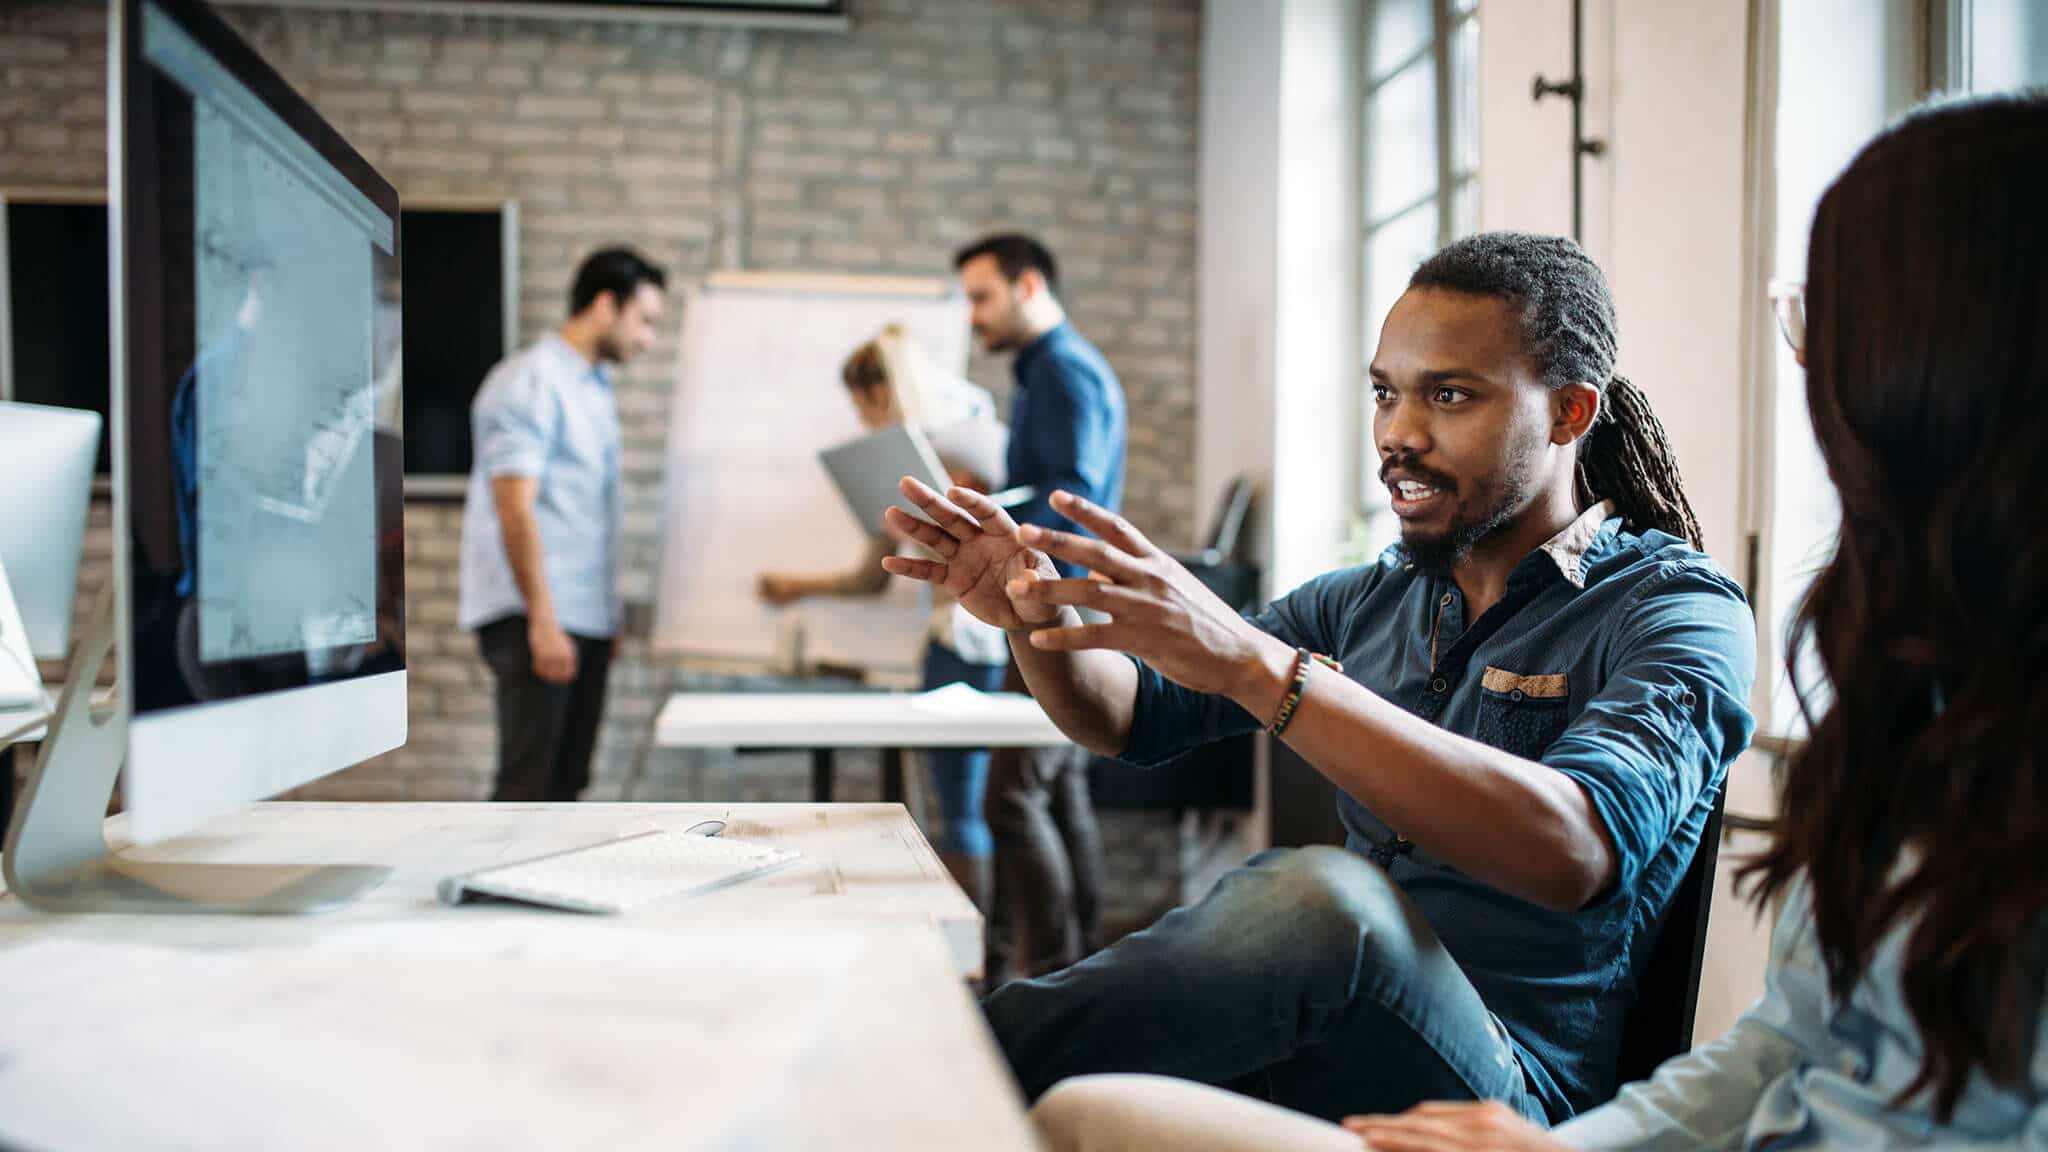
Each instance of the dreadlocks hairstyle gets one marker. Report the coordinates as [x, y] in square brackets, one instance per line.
[1918, 808]
[1568, 329]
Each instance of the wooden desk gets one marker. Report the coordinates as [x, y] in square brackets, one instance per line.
[825, 721]
[821, 1006]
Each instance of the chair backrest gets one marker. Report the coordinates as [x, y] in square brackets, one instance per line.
[1668, 995]
[1230, 514]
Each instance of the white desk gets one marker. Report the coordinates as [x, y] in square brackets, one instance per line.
[824, 721]
[813, 1007]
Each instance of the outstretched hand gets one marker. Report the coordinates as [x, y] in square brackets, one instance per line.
[1467, 1126]
[979, 554]
[1158, 611]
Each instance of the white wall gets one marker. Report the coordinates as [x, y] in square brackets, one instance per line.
[1238, 239]
[1278, 354]
[1666, 89]
[1317, 341]
[1278, 351]
[1524, 159]
[1678, 157]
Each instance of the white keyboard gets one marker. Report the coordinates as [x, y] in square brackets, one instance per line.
[615, 876]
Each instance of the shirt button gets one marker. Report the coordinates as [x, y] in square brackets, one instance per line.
[1439, 685]
[1516, 695]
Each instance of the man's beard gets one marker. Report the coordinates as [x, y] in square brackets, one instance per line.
[609, 351]
[1441, 553]
[1007, 338]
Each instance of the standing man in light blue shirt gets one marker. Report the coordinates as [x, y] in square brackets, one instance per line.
[541, 526]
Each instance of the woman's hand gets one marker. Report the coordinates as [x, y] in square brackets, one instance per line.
[1468, 1126]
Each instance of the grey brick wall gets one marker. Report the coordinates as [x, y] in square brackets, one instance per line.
[876, 151]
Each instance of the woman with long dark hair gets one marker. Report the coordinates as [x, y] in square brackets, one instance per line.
[1905, 997]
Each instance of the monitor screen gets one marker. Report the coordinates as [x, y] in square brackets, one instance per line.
[262, 402]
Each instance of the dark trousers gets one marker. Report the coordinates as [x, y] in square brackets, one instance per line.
[1046, 909]
[546, 732]
[1306, 978]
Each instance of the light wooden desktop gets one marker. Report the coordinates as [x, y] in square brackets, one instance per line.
[844, 975]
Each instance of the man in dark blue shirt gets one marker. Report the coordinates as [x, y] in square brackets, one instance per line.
[1067, 429]
[1541, 689]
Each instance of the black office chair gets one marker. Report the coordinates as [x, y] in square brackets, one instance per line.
[1659, 1023]
[1217, 563]
[1218, 775]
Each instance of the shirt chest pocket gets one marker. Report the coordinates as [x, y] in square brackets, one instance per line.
[1522, 714]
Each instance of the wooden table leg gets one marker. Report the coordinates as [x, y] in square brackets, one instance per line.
[892, 775]
[821, 775]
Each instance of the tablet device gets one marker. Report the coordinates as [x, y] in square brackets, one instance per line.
[867, 470]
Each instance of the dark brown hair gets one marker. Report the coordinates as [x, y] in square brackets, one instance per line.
[619, 271]
[1014, 252]
[1919, 804]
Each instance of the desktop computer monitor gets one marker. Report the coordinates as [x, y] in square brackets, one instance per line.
[258, 602]
[257, 457]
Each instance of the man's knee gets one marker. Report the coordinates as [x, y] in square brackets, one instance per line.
[1331, 899]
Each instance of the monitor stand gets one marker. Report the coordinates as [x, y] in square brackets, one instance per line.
[57, 857]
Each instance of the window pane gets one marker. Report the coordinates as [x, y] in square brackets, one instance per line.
[1398, 29]
[1391, 254]
[1465, 97]
[1840, 89]
[1400, 142]
[1465, 207]
[2008, 44]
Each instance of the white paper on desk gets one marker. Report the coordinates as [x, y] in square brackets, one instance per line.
[955, 699]
[128, 1046]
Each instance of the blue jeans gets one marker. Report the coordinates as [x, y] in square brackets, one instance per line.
[1306, 978]
[960, 775]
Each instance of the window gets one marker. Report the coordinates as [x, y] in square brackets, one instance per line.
[1421, 176]
[1991, 45]
[460, 315]
[1844, 71]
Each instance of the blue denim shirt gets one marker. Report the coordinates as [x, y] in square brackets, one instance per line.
[1802, 1069]
[1067, 427]
[1623, 661]
[548, 413]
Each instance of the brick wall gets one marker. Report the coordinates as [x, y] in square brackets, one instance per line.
[876, 151]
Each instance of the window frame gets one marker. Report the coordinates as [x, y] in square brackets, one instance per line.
[1452, 191]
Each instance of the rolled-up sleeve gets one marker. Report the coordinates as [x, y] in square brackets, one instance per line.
[1673, 713]
[1168, 719]
[513, 422]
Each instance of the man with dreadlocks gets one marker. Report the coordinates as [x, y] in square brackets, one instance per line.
[1528, 706]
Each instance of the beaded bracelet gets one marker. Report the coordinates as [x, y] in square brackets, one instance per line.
[1303, 661]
